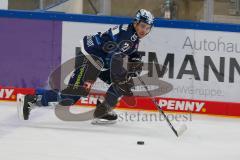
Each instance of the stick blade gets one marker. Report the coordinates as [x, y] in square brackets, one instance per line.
[181, 130]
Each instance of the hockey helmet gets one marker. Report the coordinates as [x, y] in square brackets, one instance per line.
[145, 16]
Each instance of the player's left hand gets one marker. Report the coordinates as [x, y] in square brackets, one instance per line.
[125, 86]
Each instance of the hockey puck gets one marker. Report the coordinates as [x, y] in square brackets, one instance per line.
[140, 142]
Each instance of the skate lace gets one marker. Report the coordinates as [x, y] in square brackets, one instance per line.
[31, 104]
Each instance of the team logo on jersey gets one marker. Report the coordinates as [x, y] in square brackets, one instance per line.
[125, 45]
[134, 37]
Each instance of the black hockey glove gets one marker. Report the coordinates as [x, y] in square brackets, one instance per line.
[135, 66]
[124, 87]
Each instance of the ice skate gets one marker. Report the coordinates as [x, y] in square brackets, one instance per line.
[104, 114]
[25, 104]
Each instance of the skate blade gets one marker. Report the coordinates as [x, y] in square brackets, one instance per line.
[181, 130]
[20, 102]
[98, 121]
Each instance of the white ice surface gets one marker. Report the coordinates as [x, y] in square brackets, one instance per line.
[45, 137]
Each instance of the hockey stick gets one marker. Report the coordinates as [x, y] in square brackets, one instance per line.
[182, 128]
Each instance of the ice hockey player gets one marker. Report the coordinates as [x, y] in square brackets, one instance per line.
[110, 47]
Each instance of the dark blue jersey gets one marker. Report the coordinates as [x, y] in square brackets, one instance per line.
[121, 40]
